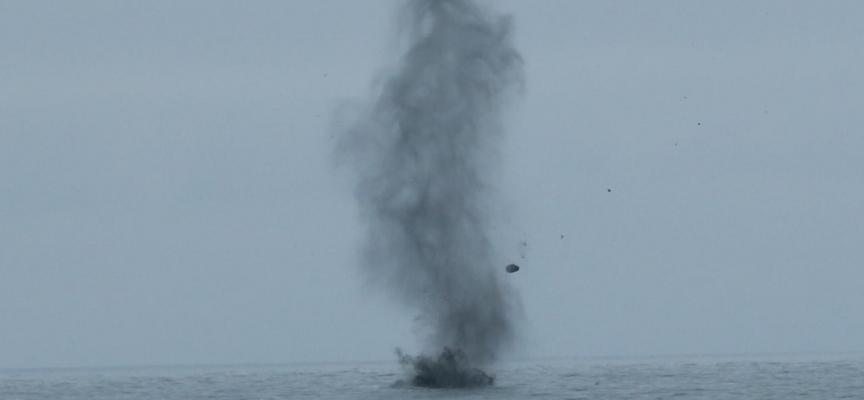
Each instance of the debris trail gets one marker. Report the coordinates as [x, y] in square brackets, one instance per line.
[426, 152]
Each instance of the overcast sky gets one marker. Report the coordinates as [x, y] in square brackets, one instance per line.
[168, 196]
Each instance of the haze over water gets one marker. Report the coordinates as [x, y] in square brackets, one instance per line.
[811, 377]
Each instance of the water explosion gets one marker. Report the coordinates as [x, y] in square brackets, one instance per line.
[425, 151]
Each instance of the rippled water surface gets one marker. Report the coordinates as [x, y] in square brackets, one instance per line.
[835, 377]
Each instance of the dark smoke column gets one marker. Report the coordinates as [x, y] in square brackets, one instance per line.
[426, 151]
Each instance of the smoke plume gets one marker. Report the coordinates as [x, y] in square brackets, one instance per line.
[426, 154]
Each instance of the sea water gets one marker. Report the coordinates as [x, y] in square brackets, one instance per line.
[730, 377]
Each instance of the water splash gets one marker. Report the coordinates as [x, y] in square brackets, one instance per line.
[426, 152]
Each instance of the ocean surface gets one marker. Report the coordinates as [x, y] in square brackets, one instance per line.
[732, 377]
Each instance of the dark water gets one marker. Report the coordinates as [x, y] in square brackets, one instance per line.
[799, 377]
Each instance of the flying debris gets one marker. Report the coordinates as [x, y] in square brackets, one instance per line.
[512, 268]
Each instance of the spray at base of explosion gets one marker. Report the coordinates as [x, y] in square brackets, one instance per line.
[425, 152]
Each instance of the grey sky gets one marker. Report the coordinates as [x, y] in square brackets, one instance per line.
[167, 192]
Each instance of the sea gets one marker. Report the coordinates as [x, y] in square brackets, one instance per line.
[834, 376]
